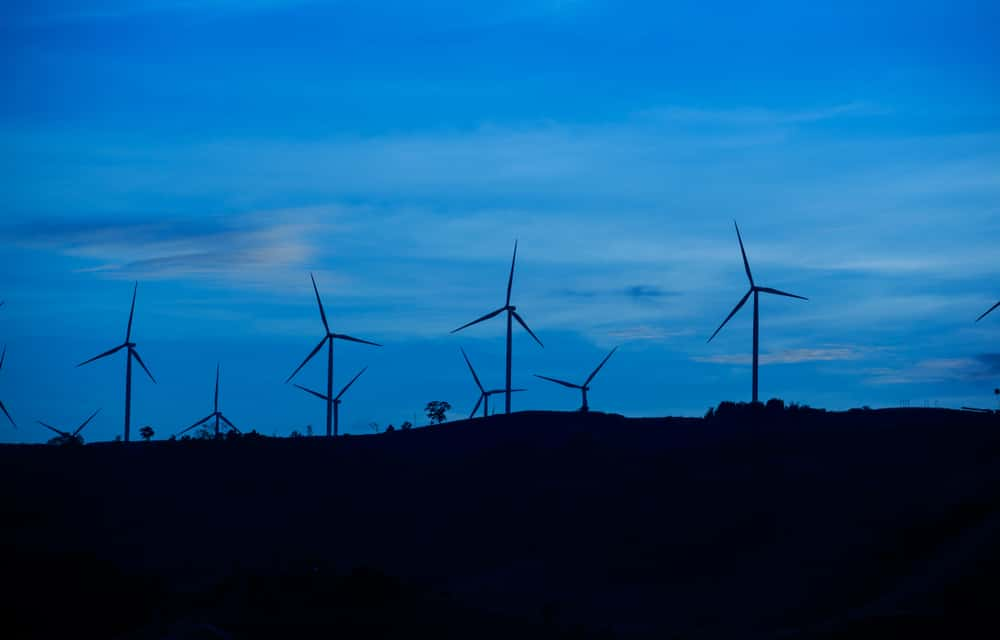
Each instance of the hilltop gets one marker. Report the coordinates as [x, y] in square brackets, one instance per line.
[539, 524]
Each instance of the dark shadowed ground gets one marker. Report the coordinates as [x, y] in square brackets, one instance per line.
[801, 525]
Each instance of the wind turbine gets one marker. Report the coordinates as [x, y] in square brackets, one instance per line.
[66, 435]
[511, 315]
[484, 395]
[132, 353]
[328, 338]
[585, 387]
[215, 414]
[3, 408]
[756, 291]
[335, 401]
[987, 312]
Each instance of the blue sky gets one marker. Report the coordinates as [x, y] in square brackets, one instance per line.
[220, 151]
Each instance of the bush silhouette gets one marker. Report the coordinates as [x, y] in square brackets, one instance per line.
[146, 433]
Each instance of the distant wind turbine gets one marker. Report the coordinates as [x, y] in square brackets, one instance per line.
[511, 315]
[755, 290]
[987, 312]
[75, 435]
[3, 357]
[585, 387]
[132, 353]
[215, 413]
[484, 395]
[328, 339]
[335, 401]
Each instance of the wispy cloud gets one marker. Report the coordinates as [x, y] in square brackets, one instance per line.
[253, 248]
[984, 366]
[790, 356]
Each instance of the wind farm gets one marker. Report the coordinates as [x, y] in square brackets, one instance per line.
[327, 339]
[217, 415]
[585, 387]
[130, 354]
[484, 395]
[3, 357]
[512, 315]
[336, 400]
[662, 466]
[69, 437]
[754, 291]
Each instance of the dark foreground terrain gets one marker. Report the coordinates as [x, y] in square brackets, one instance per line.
[866, 524]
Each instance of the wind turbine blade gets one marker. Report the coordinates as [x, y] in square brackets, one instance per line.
[231, 425]
[746, 263]
[489, 315]
[558, 381]
[348, 385]
[102, 355]
[471, 370]
[478, 402]
[341, 336]
[141, 364]
[216, 386]
[591, 377]
[202, 421]
[510, 280]
[780, 293]
[131, 312]
[322, 313]
[732, 313]
[319, 395]
[3, 356]
[4, 409]
[51, 428]
[988, 312]
[80, 428]
[522, 323]
[308, 358]
[516, 390]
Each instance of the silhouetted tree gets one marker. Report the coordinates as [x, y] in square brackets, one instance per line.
[390, 429]
[775, 405]
[435, 411]
[309, 430]
[146, 433]
[406, 426]
[68, 440]
[295, 434]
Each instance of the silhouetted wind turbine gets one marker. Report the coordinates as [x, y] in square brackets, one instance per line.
[585, 387]
[484, 395]
[66, 434]
[755, 290]
[987, 312]
[132, 353]
[215, 413]
[3, 408]
[328, 338]
[335, 401]
[511, 315]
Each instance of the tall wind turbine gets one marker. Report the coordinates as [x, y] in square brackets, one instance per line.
[3, 408]
[755, 291]
[585, 387]
[215, 413]
[484, 395]
[511, 315]
[987, 312]
[132, 353]
[328, 339]
[335, 401]
[66, 435]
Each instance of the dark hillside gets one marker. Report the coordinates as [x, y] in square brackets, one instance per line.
[799, 524]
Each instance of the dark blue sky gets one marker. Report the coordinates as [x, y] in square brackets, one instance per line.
[220, 151]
